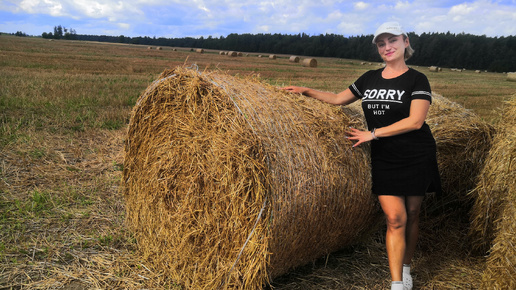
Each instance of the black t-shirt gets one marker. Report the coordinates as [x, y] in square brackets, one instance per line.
[386, 101]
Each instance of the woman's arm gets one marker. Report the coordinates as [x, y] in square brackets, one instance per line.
[418, 111]
[343, 98]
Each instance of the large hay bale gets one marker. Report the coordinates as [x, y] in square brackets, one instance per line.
[492, 218]
[463, 142]
[199, 50]
[309, 62]
[272, 56]
[496, 184]
[230, 182]
[434, 69]
[233, 53]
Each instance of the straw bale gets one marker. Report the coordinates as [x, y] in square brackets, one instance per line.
[233, 53]
[240, 54]
[230, 182]
[294, 59]
[158, 48]
[199, 50]
[496, 183]
[495, 206]
[511, 76]
[434, 69]
[150, 47]
[463, 142]
[272, 56]
[309, 62]
[222, 52]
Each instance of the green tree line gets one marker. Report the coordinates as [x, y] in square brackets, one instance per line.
[497, 54]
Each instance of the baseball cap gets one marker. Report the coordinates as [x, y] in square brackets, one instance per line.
[389, 27]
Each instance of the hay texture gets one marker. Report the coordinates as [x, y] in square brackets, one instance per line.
[493, 225]
[511, 76]
[463, 142]
[230, 182]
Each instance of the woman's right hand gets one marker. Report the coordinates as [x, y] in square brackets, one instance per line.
[294, 89]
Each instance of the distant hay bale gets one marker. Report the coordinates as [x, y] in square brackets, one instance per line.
[511, 76]
[199, 50]
[222, 52]
[496, 182]
[260, 56]
[233, 54]
[309, 62]
[272, 56]
[150, 47]
[463, 142]
[174, 49]
[240, 54]
[492, 225]
[434, 69]
[158, 48]
[478, 71]
[294, 59]
[229, 181]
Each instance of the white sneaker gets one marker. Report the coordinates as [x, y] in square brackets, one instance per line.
[397, 285]
[407, 281]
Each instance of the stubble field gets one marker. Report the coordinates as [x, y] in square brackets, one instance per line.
[64, 110]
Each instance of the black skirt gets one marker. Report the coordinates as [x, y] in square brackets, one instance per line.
[405, 165]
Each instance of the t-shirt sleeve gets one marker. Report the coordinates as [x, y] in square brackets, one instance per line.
[422, 88]
[357, 87]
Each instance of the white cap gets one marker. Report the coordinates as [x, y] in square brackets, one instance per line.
[389, 27]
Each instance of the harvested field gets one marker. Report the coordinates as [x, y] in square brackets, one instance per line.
[64, 113]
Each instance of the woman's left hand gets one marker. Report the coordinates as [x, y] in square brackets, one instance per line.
[359, 136]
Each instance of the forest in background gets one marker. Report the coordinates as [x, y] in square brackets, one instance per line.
[463, 51]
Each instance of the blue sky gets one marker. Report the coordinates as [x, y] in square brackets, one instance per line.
[195, 18]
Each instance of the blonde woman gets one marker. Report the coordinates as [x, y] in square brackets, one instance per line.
[395, 100]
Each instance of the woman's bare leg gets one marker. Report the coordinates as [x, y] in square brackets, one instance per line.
[396, 217]
[413, 208]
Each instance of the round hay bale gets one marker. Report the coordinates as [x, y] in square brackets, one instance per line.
[229, 181]
[309, 62]
[150, 47]
[463, 141]
[272, 56]
[511, 76]
[434, 69]
[294, 59]
[222, 53]
[158, 48]
[199, 50]
[496, 181]
[233, 54]
[174, 49]
[260, 56]
[240, 54]
[478, 71]
[492, 224]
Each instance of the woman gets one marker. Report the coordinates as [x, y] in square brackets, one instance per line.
[395, 100]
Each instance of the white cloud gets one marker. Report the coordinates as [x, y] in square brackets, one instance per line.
[361, 6]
